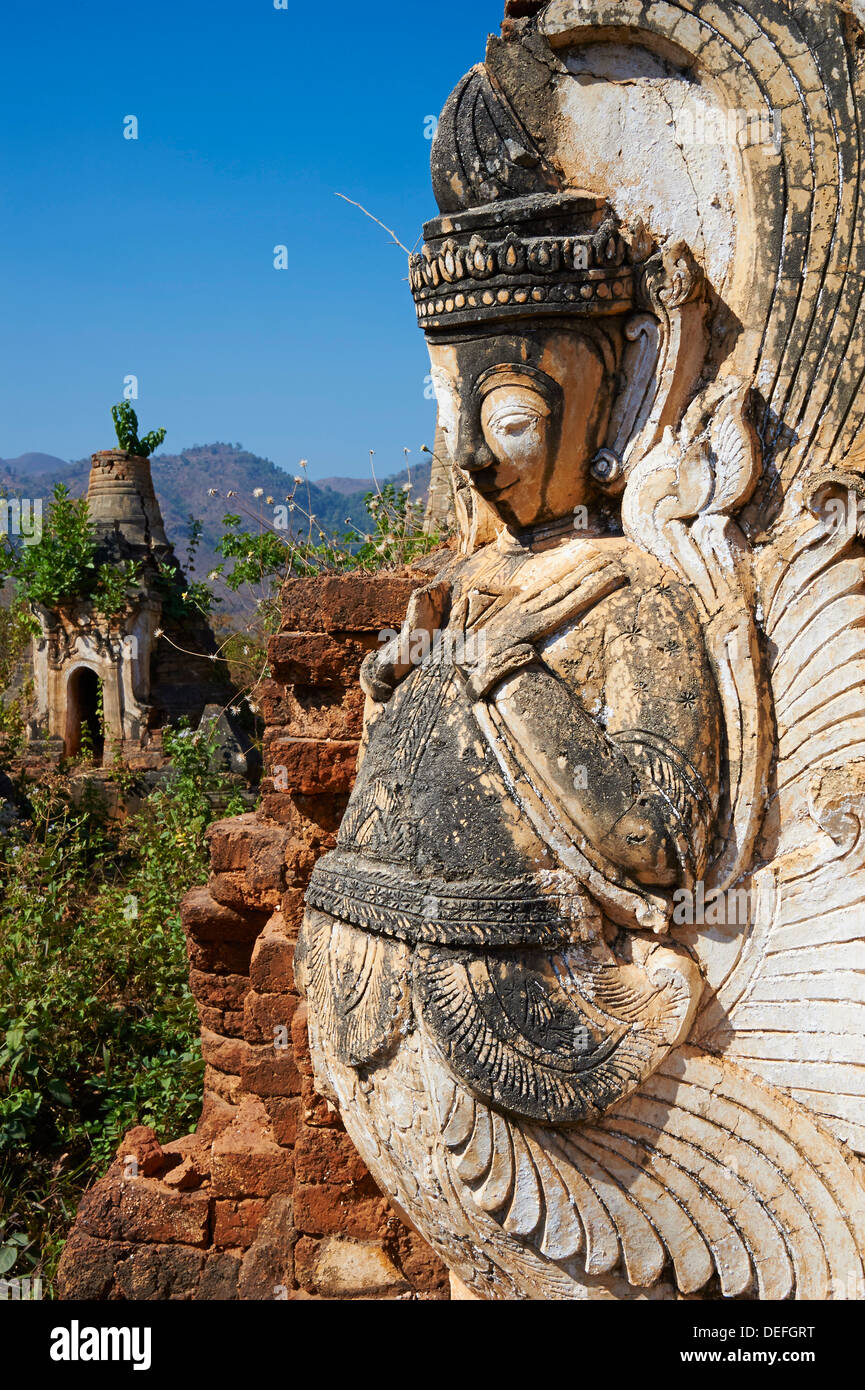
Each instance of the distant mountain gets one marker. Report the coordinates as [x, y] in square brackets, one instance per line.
[344, 486]
[32, 465]
[184, 482]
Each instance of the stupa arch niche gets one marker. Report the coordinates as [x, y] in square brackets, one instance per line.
[585, 968]
[85, 711]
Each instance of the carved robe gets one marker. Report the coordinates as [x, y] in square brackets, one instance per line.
[465, 901]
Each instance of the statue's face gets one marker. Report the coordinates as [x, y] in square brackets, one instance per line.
[523, 414]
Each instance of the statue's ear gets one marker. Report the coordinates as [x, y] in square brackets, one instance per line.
[637, 388]
[666, 346]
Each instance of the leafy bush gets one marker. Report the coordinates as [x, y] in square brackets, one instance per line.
[291, 542]
[115, 586]
[126, 429]
[62, 566]
[98, 1030]
[17, 628]
[396, 536]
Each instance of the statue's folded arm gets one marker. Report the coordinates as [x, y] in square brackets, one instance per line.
[640, 780]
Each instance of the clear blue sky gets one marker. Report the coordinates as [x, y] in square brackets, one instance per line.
[155, 256]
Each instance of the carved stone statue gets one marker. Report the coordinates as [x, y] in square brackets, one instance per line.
[585, 968]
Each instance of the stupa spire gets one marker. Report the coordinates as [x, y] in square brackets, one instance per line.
[122, 500]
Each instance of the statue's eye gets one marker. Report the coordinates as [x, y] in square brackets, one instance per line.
[513, 422]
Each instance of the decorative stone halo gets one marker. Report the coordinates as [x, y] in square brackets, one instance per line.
[546, 254]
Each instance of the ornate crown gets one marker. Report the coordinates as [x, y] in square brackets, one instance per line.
[543, 254]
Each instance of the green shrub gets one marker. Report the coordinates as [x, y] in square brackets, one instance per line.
[62, 565]
[288, 541]
[126, 429]
[17, 629]
[115, 586]
[98, 1030]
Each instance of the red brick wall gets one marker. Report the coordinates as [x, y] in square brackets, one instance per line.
[268, 1199]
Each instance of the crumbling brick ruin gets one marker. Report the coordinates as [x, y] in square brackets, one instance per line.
[115, 676]
[268, 1198]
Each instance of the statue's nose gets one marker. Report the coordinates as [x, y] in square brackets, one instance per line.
[474, 452]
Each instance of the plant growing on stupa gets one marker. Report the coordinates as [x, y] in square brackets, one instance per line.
[126, 428]
[62, 566]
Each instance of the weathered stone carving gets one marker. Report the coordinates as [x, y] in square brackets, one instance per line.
[585, 968]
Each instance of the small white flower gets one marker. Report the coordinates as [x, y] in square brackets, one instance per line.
[406, 487]
[213, 575]
[235, 709]
[303, 464]
[212, 492]
[158, 632]
[297, 479]
[258, 492]
[269, 501]
[232, 494]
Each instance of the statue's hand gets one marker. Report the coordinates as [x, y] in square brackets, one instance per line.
[382, 670]
[507, 641]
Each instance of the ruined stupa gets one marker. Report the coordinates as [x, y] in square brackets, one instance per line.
[108, 684]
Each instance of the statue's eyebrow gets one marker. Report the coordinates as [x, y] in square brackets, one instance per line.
[519, 374]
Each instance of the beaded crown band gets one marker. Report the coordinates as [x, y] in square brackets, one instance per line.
[546, 254]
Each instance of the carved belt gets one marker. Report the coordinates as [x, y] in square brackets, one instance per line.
[531, 910]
